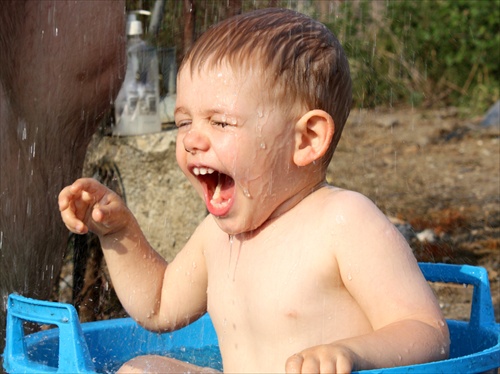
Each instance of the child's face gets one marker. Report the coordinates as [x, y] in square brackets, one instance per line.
[234, 145]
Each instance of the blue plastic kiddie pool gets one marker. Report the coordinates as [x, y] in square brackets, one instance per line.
[101, 347]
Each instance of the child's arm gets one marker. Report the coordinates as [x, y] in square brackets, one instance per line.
[379, 270]
[158, 296]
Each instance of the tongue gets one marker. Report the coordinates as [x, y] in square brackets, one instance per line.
[223, 191]
[216, 198]
[223, 197]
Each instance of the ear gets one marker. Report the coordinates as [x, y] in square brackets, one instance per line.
[313, 135]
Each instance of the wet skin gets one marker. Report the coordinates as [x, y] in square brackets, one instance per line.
[295, 274]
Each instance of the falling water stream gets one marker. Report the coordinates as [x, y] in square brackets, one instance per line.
[61, 66]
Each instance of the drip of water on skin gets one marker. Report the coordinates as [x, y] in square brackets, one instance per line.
[246, 193]
[231, 238]
[260, 125]
[237, 260]
[260, 112]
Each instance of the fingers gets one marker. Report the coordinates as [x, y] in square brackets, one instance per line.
[87, 205]
[68, 211]
[294, 364]
[319, 359]
[77, 202]
[299, 364]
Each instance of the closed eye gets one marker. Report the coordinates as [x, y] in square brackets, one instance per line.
[221, 124]
[180, 124]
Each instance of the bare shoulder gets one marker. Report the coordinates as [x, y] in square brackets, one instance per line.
[347, 208]
[375, 262]
[361, 234]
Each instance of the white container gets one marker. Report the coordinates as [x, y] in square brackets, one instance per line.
[136, 106]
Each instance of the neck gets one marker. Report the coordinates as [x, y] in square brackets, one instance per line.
[283, 208]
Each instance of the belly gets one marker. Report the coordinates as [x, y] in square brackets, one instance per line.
[261, 323]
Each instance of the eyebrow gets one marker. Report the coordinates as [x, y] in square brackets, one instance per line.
[180, 110]
[208, 112]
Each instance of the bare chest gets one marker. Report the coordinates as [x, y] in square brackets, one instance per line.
[276, 294]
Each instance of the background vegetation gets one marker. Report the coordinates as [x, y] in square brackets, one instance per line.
[402, 52]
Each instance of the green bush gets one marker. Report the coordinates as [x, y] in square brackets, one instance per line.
[417, 52]
[423, 52]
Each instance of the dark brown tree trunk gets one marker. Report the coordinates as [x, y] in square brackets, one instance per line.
[234, 7]
[189, 24]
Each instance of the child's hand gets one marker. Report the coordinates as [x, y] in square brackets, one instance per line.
[87, 205]
[326, 358]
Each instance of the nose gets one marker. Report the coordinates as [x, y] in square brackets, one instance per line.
[195, 141]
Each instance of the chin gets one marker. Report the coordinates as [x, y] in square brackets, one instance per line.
[228, 227]
[235, 227]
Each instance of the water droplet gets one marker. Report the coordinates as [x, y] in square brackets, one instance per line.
[28, 208]
[246, 193]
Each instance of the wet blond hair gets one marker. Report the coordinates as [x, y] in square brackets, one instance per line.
[301, 58]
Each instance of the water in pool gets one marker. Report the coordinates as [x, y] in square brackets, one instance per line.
[208, 356]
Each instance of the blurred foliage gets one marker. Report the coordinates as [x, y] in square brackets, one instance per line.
[417, 52]
[424, 52]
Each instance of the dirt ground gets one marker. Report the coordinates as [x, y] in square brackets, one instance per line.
[435, 173]
[437, 176]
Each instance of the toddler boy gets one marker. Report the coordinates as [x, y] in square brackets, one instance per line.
[297, 275]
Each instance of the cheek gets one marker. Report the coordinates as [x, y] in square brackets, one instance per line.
[230, 150]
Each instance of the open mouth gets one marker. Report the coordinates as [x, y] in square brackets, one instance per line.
[218, 189]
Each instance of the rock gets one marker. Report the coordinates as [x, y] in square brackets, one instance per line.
[165, 204]
[492, 117]
[407, 231]
[387, 120]
[426, 236]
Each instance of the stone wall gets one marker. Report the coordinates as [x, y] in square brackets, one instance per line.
[156, 191]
